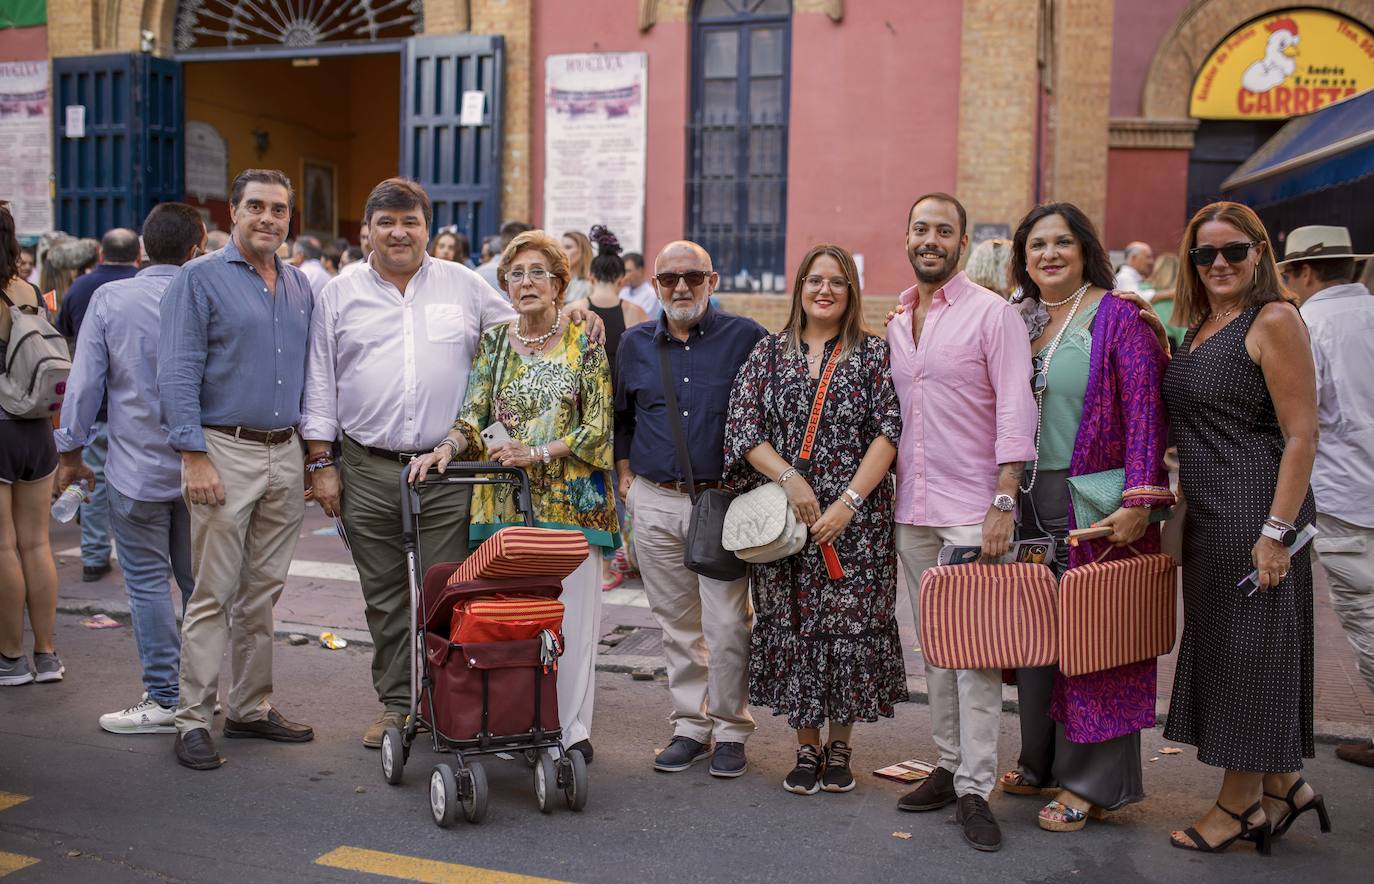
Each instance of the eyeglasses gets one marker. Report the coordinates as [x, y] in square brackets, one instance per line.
[694, 278]
[815, 283]
[1040, 379]
[536, 276]
[1231, 253]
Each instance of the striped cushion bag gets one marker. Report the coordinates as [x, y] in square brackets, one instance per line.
[524, 552]
[1114, 613]
[505, 618]
[989, 616]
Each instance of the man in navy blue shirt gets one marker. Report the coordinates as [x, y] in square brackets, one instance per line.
[119, 253]
[699, 615]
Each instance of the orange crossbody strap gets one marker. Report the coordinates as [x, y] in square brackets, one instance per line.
[832, 561]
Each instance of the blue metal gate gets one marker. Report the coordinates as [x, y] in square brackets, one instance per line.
[459, 166]
[130, 156]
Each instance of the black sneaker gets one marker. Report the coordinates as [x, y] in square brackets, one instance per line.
[980, 826]
[585, 747]
[935, 792]
[92, 573]
[680, 754]
[837, 777]
[728, 760]
[805, 778]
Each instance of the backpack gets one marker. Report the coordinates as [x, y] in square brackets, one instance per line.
[33, 376]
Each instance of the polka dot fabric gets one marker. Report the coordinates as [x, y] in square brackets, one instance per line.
[1243, 684]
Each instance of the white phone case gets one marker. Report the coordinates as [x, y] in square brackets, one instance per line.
[495, 434]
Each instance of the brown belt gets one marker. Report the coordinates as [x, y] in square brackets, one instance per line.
[266, 437]
[683, 488]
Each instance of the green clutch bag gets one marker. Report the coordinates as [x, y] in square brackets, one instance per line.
[1097, 495]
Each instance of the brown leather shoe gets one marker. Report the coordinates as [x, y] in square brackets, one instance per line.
[1359, 753]
[980, 826]
[273, 727]
[372, 739]
[936, 791]
[196, 750]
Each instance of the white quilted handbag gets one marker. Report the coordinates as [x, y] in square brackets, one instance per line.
[760, 526]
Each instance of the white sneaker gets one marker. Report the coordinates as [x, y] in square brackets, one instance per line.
[145, 718]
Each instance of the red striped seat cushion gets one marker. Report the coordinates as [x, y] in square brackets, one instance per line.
[524, 552]
[989, 616]
[1114, 613]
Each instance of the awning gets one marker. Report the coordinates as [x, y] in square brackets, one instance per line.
[1332, 146]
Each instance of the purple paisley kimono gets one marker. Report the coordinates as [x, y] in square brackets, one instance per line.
[1123, 425]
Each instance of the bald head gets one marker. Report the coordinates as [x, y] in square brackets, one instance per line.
[684, 249]
[1140, 256]
[688, 267]
[119, 245]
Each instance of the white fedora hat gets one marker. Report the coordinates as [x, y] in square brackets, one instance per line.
[1317, 242]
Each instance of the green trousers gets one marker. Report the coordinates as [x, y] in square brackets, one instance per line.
[372, 519]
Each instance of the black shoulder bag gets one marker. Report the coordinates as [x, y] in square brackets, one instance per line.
[704, 555]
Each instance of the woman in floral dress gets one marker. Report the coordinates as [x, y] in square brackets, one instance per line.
[823, 650]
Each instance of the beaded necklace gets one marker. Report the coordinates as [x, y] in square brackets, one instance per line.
[1040, 381]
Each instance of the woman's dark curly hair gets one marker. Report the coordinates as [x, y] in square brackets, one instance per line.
[9, 247]
[607, 266]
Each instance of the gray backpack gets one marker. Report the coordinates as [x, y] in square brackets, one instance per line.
[33, 376]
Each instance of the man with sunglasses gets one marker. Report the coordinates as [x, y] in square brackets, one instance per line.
[699, 616]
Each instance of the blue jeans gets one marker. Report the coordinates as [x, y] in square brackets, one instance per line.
[95, 516]
[154, 545]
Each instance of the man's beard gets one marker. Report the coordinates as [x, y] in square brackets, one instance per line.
[946, 270]
[686, 314]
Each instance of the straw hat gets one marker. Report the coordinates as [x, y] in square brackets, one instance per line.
[1316, 242]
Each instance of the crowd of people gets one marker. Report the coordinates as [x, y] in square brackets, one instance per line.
[210, 386]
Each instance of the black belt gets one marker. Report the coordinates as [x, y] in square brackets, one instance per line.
[682, 487]
[387, 454]
[266, 437]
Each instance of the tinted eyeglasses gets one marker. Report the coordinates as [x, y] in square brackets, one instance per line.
[694, 278]
[1232, 253]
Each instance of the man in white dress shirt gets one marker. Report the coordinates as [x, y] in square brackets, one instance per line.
[305, 254]
[1140, 263]
[638, 290]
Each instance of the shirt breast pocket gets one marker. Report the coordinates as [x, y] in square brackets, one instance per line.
[444, 324]
[958, 364]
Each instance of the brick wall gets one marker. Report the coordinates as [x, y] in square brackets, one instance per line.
[1082, 93]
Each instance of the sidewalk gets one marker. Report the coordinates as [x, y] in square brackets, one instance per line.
[322, 594]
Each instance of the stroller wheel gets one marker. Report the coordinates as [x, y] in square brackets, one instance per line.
[545, 782]
[443, 796]
[575, 780]
[393, 756]
[475, 799]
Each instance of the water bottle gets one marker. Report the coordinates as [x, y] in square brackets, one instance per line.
[65, 507]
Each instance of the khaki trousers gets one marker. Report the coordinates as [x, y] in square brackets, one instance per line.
[240, 553]
[705, 622]
[965, 704]
[1346, 553]
[372, 521]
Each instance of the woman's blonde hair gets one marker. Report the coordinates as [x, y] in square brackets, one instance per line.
[1191, 304]
[1164, 277]
[989, 265]
[583, 270]
[550, 248]
[853, 329]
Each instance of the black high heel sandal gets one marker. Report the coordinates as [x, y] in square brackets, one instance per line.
[1260, 834]
[1318, 803]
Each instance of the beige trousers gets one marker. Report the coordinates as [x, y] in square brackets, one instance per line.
[705, 622]
[240, 553]
[1346, 553]
[965, 704]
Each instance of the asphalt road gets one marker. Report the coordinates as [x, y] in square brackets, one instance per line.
[106, 808]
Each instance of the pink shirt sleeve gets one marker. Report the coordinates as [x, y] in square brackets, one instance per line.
[1009, 368]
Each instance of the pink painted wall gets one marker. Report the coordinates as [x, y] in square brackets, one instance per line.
[1147, 198]
[24, 44]
[612, 26]
[874, 123]
[1137, 29]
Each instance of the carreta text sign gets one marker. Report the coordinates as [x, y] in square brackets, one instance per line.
[1284, 64]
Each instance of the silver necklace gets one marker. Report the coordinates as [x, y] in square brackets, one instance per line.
[1077, 294]
[1045, 371]
[536, 343]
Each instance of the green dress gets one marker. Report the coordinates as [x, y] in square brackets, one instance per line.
[1064, 391]
[562, 395]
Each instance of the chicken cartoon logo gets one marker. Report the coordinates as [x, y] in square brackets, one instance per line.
[1277, 64]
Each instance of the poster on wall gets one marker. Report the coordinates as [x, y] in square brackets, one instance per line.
[1282, 65]
[595, 117]
[319, 213]
[207, 162]
[25, 143]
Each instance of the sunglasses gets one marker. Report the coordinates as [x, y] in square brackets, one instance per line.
[694, 278]
[1231, 253]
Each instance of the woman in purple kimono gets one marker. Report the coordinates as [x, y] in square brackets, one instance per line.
[1098, 370]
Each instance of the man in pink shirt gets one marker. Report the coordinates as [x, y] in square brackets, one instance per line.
[961, 363]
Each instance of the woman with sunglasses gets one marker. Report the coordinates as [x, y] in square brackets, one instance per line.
[1241, 394]
[824, 649]
[1097, 373]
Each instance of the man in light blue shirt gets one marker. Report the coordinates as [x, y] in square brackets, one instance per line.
[117, 352]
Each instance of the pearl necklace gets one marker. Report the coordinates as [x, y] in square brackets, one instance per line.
[536, 343]
[1044, 371]
[1077, 294]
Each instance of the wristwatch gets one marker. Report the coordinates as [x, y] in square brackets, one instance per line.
[1004, 502]
[1285, 535]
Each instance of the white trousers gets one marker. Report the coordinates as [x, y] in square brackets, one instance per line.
[581, 636]
[1346, 553]
[965, 704]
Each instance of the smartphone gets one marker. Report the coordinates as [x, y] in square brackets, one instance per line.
[495, 434]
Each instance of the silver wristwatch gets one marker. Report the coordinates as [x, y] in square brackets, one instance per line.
[1004, 502]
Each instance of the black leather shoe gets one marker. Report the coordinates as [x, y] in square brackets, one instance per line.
[980, 826]
[92, 573]
[273, 727]
[585, 747]
[935, 792]
[197, 751]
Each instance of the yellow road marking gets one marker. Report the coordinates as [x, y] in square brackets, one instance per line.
[394, 865]
[13, 862]
[9, 799]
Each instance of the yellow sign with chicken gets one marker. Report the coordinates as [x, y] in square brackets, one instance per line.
[1284, 64]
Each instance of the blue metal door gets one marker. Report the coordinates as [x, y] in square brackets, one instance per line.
[459, 166]
[129, 157]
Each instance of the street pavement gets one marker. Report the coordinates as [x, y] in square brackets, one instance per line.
[78, 804]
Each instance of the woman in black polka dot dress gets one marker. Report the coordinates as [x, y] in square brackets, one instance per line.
[1243, 413]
